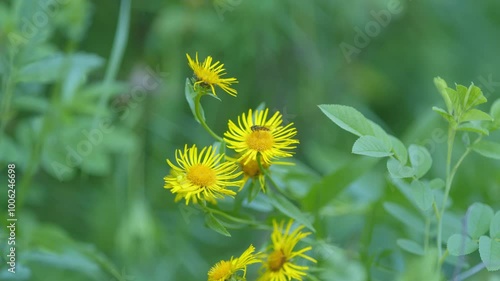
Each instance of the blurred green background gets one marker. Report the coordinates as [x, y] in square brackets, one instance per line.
[106, 216]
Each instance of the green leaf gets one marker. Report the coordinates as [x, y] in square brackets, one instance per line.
[495, 109]
[448, 117]
[380, 134]
[336, 182]
[460, 245]
[289, 209]
[473, 127]
[421, 268]
[488, 149]
[371, 146]
[411, 246]
[191, 95]
[495, 226]
[213, 223]
[348, 118]
[489, 250]
[478, 219]
[437, 183]
[422, 194]
[495, 113]
[36, 104]
[455, 100]
[74, 67]
[399, 150]
[420, 159]
[474, 97]
[442, 86]
[398, 170]
[405, 216]
[475, 115]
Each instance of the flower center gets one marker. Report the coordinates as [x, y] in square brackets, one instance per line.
[260, 140]
[222, 271]
[201, 175]
[276, 260]
[251, 168]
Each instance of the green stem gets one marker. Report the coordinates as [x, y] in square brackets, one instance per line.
[199, 116]
[450, 175]
[119, 44]
[451, 140]
[229, 217]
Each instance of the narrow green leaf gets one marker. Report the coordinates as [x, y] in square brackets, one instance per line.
[448, 117]
[398, 170]
[289, 209]
[495, 226]
[473, 127]
[411, 246]
[475, 115]
[399, 150]
[488, 149]
[36, 104]
[190, 97]
[347, 118]
[478, 219]
[422, 194]
[371, 146]
[331, 185]
[442, 86]
[460, 245]
[213, 223]
[489, 250]
[420, 159]
[406, 217]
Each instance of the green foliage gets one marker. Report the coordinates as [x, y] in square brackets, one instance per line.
[103, 215]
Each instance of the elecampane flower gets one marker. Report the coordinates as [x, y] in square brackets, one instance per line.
[208, 74]
[251, 170]
[224, 270]
[255, 135]
[280, 264]
[201, 176]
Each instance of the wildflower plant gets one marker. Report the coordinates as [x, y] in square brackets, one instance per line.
[246, 153]
[407, 167]
[240, 167]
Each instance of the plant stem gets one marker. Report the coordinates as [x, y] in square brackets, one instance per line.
[197, 109]
[451, 140]
[450, 175]
[119, 44]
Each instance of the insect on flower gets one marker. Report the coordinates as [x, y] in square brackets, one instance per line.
[259, 128]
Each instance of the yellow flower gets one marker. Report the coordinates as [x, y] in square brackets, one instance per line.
[256, 134]
[208, 74]
[223, 270]
[280, 265]
[201, 176]
[251, 170]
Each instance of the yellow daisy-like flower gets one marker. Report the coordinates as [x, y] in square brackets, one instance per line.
[208, 74]
[256, 134]
[201, 176]
[280, 265]
[224, 270]
[251, 170]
